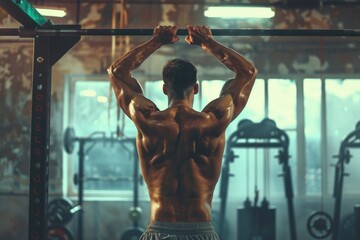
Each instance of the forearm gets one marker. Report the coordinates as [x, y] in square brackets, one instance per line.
[240, 86]
[134, 58]
[230, 58]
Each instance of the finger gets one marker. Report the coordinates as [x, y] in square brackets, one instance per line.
[187, 39]
[190, 28]
[156, 29]
[174, 29]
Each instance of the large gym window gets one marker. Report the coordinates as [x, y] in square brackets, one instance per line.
[109, 167]
[107, 139]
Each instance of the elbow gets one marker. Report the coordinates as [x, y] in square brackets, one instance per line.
[116, 71]
[110, 70]
[253, 72]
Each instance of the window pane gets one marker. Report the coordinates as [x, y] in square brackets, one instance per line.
[107, 166]
[282, 109]
[282, 102]
[255, 107]
[91, 110]
[342, 102]
[312, 114]
[210, 90]
[153, 91]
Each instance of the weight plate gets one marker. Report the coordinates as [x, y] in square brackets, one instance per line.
[319, 225]
[59, 233]
[69, 140]
[132, 234]
[60, 211]
[135, 213]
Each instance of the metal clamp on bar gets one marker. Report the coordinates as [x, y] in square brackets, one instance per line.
[26, 33]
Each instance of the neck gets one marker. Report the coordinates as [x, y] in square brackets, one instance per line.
[180, 102]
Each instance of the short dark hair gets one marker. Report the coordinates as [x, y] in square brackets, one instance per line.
[179, 75]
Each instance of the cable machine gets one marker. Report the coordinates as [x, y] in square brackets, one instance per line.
[352, 140]
[263, 135]
[61, 211]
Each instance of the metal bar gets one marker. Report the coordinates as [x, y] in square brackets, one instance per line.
[9, 32]
[182, 32]
[78, 6]
[81, 177]
[207, 3]
[256, 145]
[40, 136]
[353, 145]
[23, 12]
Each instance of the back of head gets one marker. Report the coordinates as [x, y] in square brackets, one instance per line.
[179, 75]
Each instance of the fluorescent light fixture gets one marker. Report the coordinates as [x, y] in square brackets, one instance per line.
[239, 12]
[87, 93]
[102, 99]
[50, 12]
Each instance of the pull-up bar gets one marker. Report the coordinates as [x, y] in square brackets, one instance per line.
[23, 32]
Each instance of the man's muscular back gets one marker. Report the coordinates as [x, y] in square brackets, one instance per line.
[181, 149]
[180, 152]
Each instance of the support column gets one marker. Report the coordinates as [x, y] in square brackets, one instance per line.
[40, 132]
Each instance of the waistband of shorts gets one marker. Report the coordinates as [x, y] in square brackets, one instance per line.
[181, 227]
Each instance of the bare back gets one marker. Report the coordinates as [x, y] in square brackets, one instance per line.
[181, 149]
[180, 153]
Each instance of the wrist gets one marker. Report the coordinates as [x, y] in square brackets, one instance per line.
[208, 44]
[156, 43]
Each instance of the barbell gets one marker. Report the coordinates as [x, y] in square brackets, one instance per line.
[107, 179]
[62, 31]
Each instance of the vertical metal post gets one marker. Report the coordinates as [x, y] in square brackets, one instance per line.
[40, 129]
[81, 178]
[300, 137]
[357, 221]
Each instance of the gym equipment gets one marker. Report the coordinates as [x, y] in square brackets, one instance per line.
[59, 233]
[357, 222]
[256, 222]
[352, 140]
[266, 135]
[346, 228]
[319, 224]
[51, 32]
[61, 211]
[70, 139]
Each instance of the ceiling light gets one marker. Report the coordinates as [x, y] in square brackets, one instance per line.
[87, 93]
[239, 12]
[102, 99]
[50, 12]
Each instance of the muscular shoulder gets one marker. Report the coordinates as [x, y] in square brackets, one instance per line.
[143, 113]
[141, 106]
[220, 110]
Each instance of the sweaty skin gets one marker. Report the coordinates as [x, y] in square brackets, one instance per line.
[181, 149]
